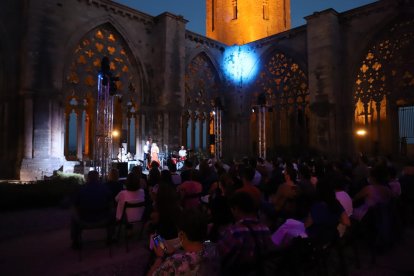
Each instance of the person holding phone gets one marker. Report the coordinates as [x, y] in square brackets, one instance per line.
[195, 255]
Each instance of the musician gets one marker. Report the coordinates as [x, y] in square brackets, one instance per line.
[182, 153]
[154, 153]
[146, 150]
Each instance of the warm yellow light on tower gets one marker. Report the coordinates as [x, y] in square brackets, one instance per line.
[115, 133]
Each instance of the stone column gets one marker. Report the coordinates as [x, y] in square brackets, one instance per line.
[139, 139]
[200, 130]
[324, 43]
[192, 122]
[56, 130]
[79, 134]
[262, 131]
[87, 135]
[165, 134]
[67, 119]
[184, 126]
[128, 149]
[28, 126]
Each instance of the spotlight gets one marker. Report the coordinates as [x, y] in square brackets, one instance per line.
[115, 133]
[361, 132]
[214, 113]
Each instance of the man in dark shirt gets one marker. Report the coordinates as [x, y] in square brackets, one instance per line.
[92, 207]
[186, 173]
[246, 241]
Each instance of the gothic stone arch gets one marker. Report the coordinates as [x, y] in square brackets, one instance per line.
[385, 82]
[81, 87]
[202, 95]
[282, 89]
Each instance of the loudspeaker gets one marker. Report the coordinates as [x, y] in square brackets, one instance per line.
[123, 169]
[212, 139]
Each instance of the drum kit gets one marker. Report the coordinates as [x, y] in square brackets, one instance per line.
[178, 161]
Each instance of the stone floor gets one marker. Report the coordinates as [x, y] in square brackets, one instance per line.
[36, 242]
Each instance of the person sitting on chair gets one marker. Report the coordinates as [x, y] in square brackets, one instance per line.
[92, 207]
[133, 193]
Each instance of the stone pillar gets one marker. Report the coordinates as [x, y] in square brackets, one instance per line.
[79, 134]
[139, 142]
[41, 127]
[184, 126]
[262, 131]
[192, 122]
[324, 60]
[129, 138]
[201, 119]
[165, 134]
[28, 126]
[87, 135]
[67, 119]
[56, 130]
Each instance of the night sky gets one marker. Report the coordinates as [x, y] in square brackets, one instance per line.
[194, 10]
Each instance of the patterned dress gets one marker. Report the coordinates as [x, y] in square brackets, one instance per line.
[204, 262]
[186, 263]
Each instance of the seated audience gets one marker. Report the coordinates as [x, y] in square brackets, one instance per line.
[190, 191]
[284, 200]
[345, 200]
[92, 206]
[394, 183]
[247, 174]
[133, 193]
[325, 214]
[195, 259]
[113, 182]
[241, 243]
[374, 193]
[166, 212]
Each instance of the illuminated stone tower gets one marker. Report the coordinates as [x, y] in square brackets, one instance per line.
[243, 21]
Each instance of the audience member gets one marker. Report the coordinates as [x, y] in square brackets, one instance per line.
[242, 244]
[113, 182]
[325, 214]
[374, 193]
[247, 174]
[133, 193]
[92, 206]
[196, 257]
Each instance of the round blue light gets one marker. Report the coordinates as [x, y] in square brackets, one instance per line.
[239, 63]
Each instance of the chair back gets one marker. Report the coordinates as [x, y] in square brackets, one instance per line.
[133, 211]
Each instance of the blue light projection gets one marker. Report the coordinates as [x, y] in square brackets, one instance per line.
[240, 64]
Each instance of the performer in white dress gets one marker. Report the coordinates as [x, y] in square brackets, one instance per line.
[154, 153]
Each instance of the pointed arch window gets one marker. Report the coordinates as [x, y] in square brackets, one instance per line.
[383, 83]
[281, 105]
[201, 90]
[81, 83]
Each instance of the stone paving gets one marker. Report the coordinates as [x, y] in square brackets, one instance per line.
[36, 242]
